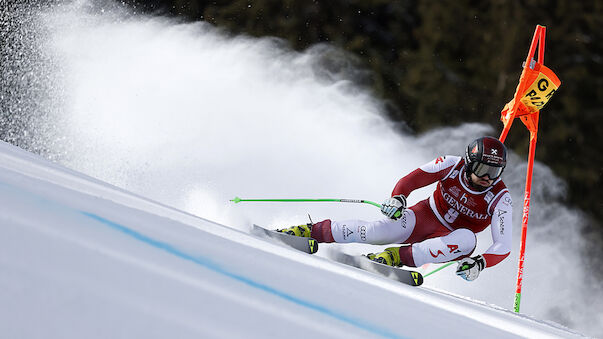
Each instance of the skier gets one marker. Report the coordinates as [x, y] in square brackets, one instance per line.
[470, 195]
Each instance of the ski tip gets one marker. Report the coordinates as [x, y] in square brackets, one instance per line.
[236, 200]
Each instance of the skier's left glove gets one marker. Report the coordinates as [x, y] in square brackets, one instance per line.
[394, 207]
[469, 268]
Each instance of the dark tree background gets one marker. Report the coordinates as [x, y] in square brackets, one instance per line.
[442, 63]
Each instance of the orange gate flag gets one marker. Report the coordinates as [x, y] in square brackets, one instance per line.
[537, 85]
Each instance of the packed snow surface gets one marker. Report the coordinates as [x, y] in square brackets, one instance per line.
[83, 259]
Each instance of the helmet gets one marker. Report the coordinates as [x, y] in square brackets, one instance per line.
[486, 156]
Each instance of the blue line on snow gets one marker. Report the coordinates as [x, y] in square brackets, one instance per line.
[216, 268]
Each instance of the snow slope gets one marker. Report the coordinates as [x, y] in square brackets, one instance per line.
[82, 259]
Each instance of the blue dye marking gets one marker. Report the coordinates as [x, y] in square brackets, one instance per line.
[216, 268]
[205, 262]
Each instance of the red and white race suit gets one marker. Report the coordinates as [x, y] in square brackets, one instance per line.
[441, 228]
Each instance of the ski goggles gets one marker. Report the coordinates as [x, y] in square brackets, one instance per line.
[480, 170]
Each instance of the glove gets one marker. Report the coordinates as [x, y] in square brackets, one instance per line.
[394, 207]
[469, 268]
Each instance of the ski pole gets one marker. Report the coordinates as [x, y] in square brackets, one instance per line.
[238, 200]
[439, 269]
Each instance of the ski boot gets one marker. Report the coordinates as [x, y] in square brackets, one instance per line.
[298, 231]
[390, 257]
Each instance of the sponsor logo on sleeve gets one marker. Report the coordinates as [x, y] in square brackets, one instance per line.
[508, 200]
[501, 221]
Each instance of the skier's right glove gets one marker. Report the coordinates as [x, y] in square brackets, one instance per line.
[394, 207]
[469, 268]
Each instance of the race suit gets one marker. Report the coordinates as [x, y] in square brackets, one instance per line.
[441, 228]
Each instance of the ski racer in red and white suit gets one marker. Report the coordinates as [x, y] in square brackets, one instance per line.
[441, 228]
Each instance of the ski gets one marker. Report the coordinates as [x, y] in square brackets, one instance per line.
[408, 277]
[308, 245]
